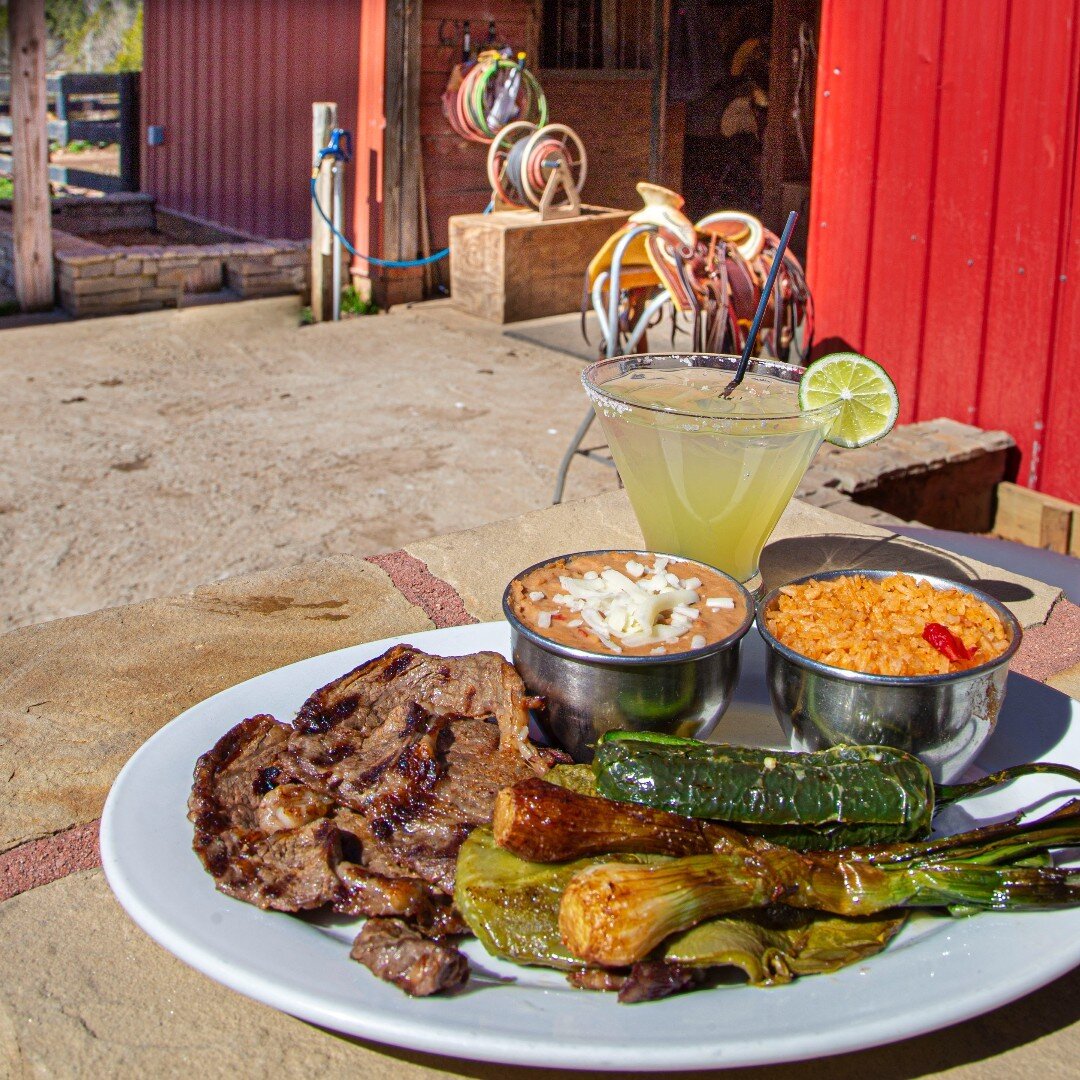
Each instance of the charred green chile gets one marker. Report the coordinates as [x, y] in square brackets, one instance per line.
[512, 906]
[841, 797]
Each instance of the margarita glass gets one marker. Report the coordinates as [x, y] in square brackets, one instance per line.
[708, 477]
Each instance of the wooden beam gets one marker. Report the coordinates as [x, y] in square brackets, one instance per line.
[323, 122]
[658, 128]
[401, 189]
[31, 210]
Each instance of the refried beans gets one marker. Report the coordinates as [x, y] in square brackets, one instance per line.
[532, 601]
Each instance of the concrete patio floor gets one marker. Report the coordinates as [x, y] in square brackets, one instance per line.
[144, 455]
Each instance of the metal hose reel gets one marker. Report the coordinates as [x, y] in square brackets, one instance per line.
[538, 168]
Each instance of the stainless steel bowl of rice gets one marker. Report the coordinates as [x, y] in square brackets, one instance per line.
[883, 657]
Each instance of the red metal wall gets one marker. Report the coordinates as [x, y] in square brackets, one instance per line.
[945, 211]
[233, 82]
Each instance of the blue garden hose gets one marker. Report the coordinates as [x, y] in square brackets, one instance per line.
[371, 258]
[340, 149]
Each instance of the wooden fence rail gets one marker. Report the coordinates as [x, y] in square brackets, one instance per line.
[77, 101]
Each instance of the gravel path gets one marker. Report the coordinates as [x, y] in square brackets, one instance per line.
[143, 455]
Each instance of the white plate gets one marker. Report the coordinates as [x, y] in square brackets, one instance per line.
[937, 972]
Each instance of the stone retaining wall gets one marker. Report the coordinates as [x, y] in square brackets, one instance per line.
[939, 473]
[93, 279]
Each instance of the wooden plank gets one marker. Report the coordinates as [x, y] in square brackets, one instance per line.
[1032, 518]
[401, 141]
[1059, 474]
[950, 342]
[842, 202]
[323, 122]
[88, 82]
[396, 96]
[31, 212]
[410, 178]
[906, 168]
[658, 125]
[1032, 183]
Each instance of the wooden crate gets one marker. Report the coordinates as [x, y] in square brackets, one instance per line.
[1037, 520]
[510, 265]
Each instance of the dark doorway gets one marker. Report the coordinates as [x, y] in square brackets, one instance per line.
[746, 71]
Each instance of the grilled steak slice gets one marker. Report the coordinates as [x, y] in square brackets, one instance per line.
[430, 911]
[235, 796]
[419, 966]
[480, 685]
[414, 748]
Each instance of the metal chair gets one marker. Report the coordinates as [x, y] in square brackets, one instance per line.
[615, 341]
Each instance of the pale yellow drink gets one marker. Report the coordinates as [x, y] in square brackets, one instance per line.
[708, 477]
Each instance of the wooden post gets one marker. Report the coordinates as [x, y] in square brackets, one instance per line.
[31, 210]
[130, 140]
[401, 152]
[658, 128]
[323, 122]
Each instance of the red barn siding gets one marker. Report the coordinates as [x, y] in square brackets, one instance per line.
[233, 82]
[945, 211]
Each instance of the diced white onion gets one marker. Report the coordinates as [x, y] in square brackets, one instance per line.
[536, 597]
[697, 641]
[543, 619]
[658, 651]
[591, 575]
[634, 569]
[573, 624]
[720, 602]
[692, 583]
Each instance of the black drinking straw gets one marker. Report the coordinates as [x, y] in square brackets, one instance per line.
[751, 338]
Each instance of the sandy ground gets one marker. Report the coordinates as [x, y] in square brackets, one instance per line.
[146, 454]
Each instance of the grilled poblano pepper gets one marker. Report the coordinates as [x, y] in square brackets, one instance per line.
[841, 797]
[846, 796]
[513, 908]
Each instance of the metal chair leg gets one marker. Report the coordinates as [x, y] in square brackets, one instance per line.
[571, 450]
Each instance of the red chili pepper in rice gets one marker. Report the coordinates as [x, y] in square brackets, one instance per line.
[946, 642]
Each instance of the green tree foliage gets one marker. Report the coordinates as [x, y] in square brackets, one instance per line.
[129, 56]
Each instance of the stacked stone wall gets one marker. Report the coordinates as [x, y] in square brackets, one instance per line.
[939, 473]
[94, 279]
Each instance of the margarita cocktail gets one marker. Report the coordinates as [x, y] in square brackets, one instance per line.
[708, 476]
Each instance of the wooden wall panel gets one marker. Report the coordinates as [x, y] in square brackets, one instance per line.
[613, 114]
[845, 160]
[905, 167]
[1031, 186]
[944, 211]
[962, 226]
[233, 81]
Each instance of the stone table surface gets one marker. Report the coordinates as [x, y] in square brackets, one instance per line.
[83, 992]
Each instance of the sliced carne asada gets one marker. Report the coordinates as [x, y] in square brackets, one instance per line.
[414, 749]
[287, 869]
[395, 952]
[365, 801]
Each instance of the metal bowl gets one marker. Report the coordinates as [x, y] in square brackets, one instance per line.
[589, 693]
[942, 719]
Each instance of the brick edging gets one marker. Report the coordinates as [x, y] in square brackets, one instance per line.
[38, 862]
[437, 598]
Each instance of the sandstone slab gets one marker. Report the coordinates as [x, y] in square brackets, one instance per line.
[84, 993]
[479, 562]
[79, 696]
